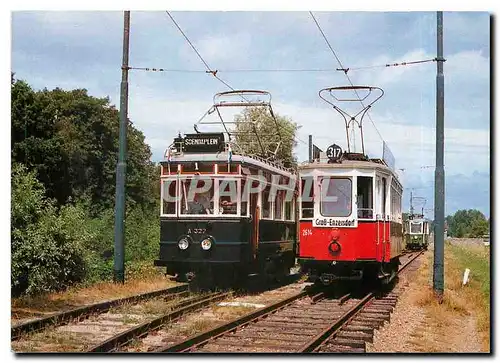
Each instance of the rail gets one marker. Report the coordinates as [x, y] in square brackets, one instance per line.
[309, 337]
[145, 328]
[84, 312]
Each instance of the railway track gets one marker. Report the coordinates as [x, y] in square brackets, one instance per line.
[113, 325]
[84, 312]
[178, 310]
[112, 330]
[304, 322]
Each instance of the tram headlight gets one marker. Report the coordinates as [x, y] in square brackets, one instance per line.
[183, 243]
[334, 247]
[206, 244]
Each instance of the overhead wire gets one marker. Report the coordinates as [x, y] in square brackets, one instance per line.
[345, 72]
[297, 70]
[209, 69]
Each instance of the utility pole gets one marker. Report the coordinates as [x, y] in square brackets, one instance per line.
[121, 168]
[438, 278]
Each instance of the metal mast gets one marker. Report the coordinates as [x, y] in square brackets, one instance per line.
[121, 168]
[439, 192]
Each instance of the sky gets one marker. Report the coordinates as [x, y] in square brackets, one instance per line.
[84, 50]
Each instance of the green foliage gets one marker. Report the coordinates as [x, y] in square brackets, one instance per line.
[257, 120]
[53, 249]
[142, 234]
[47, 251]
[467, 223]
[64, 152]
[71, 140]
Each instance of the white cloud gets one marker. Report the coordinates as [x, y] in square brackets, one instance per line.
[81, 24]
[224, 49]
[467, 65]
[466, 27]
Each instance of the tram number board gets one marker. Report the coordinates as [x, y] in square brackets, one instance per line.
[334, 152]
[203, 142]
[332, 222]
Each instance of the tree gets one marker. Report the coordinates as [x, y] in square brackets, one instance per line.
[71, 139]
[467, 223]
[258, 120]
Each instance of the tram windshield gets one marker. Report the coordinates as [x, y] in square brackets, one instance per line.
[336, 197]
[197, 196]
[416, 227]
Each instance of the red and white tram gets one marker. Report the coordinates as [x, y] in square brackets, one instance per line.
[350, 211]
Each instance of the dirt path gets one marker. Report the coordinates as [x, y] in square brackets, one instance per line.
[417, 325]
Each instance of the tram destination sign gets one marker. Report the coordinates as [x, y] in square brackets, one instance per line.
[203, 142]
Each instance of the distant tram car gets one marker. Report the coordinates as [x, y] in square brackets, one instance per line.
[416, 233]
[350, 225]
[226, 214]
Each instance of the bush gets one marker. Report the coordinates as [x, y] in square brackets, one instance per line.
[47, 247]
[142, 234]
[53, 249]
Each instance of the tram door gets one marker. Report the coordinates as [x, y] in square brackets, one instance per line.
[381, 194]
[255, 213]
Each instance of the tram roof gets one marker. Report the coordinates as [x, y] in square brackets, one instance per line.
[348, 164]
[222, 157]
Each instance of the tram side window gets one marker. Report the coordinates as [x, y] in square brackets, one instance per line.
[169, 196]
[278, 205]
[289, 210]
[266, 203]
[365, 197]
[244, 198]
[307, 201]
[384, 195]
[395, 203]
[228, 197]
[197, 196]
[336, 197]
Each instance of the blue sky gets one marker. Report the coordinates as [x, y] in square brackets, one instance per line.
[84, 49]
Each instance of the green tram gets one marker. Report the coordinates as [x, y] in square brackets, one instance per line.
[416, 232]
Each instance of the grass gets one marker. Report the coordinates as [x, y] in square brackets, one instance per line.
[477, 291]
[459, 302]
[48, 341]
[29, 307]
[196, 323]
[156, 306]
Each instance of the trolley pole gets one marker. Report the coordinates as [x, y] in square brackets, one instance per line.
[121, 168]
[310, 148]
[411, 202]
[438, 278]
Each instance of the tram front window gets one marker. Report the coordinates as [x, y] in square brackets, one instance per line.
[197, 196]
[228, 196]
[416, 228]
[336, 195]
